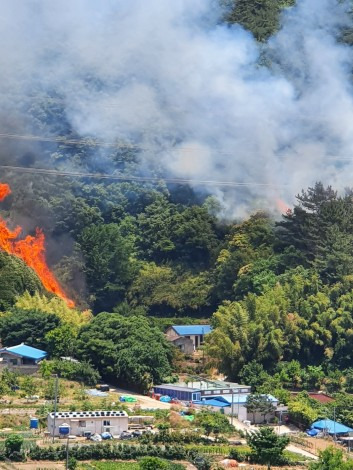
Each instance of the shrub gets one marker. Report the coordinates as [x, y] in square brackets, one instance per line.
[78, 371]
[153, 463]
[13, 443]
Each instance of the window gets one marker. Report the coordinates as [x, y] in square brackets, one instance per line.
[13, 362]
[82, 424]
[106, 422]
[196, 396]
[208, 392]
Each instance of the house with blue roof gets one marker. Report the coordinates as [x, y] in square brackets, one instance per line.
[21, 357]
[187, 337]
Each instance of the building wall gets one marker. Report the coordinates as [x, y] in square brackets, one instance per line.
[184, 344]
[183, 395]
[171, 335]
[21, 369]
[225, 391]
[242, 413]
[95, 425]
[11, 359]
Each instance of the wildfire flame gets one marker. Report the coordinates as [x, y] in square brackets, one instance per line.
[31, 250]
[282, 206]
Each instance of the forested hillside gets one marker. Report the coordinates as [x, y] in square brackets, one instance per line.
[138, 248]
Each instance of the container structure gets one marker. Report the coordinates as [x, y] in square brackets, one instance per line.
[83, 423]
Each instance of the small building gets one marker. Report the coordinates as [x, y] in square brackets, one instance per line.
[180, 392]
[199, 389]
[228, 397]
[22, 357]
[86, 423]
[187, 337]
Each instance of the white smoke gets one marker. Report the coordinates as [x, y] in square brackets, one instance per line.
[168, 76]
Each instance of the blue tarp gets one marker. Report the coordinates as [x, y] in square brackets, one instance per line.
[332, 427]
[165, 399]
[312, 432]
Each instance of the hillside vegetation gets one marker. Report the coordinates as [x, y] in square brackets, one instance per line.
[136, 257]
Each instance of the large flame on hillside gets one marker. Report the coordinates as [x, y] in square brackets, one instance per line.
[31, 250]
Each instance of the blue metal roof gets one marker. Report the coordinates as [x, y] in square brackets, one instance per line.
[185, 330]
[212, 402]
[26, 351]
[332, 427]
[241, 398]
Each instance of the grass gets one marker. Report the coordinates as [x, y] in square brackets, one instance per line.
[294, 457]
[110, 466]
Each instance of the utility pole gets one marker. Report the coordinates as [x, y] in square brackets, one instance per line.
[232, 409]
[55, 404]
[67, 453]
[334, 423]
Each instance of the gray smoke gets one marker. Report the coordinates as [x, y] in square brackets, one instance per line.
[170, 77]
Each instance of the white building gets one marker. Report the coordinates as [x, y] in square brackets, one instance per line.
[83, 423]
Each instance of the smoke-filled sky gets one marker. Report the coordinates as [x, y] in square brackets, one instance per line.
[170, 76]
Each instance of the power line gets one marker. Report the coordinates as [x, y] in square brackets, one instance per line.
[147, 179]
[91, 142]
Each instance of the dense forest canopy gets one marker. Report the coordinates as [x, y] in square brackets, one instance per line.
[138, 256]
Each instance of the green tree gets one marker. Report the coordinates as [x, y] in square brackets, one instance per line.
[15, 279]
[267, 447]
[27, 326]
[125, 350]
[331, 459]
[261, 17]
[13, 443]
[348, 375]
[253, 374]
[10, 379]
[302, 410]
[153, 463]
[29, 386]
[213, 423]
[61, 341]
[257, 403]
[108, 264]
[4, 388]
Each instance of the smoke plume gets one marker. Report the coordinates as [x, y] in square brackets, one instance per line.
[170, 77]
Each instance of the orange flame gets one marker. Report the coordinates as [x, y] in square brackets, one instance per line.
[282, 206]
[31, 250]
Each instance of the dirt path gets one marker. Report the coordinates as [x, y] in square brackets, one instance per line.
[144, 401]
[299, 450]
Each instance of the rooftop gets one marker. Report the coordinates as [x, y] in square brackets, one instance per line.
[185, 330]
[241, 399]
[87, 414]
[212, 402]
[180, 387]
[321, 397]
[25, 351]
